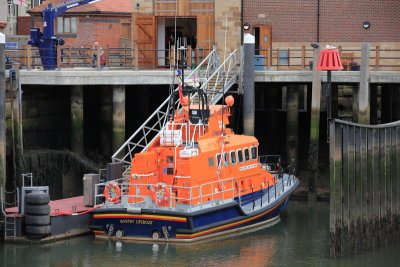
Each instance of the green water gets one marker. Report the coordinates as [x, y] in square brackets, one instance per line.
[300, 239]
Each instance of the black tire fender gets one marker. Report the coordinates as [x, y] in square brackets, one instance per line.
[37, 209]
[36, 230]
[38, 198]
[37, 219]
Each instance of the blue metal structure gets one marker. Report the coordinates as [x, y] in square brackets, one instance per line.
[47, 42]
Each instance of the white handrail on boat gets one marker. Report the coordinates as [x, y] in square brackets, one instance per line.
[160, 116]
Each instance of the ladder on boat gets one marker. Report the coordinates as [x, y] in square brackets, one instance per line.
[215, 79]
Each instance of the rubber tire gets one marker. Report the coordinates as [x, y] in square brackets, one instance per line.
[38, 198]
[37, 209]
[35, 230]
[37, 220]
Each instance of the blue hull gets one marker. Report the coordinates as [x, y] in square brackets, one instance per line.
[181, 226]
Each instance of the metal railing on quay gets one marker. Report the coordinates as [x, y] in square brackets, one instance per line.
[290, 58]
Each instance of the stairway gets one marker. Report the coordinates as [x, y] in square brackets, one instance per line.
[215, 78]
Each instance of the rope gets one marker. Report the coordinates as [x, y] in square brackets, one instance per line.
[76, 213]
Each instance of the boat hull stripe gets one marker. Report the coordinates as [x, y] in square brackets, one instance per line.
[223, 227]
[144, 217]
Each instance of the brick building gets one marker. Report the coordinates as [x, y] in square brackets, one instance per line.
[339, 20]
[107, 22]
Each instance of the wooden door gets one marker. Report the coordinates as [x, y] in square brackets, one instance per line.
[205, 32]
[145, 29]
[263, 36]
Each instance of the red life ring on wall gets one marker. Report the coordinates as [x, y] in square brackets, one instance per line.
[160, 193]
[112, 192]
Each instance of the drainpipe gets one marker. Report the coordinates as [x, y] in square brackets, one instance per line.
[318, 18]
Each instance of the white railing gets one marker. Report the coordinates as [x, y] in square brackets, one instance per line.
[146, 133]
[212, 194]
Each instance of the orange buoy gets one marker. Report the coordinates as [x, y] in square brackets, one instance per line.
[160, 193]
[229, 100]
[112, 192]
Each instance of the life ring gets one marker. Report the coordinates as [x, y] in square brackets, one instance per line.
[112, 192]
[160, 193]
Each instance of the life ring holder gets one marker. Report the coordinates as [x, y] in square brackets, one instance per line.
[112, 187]
[160, 193]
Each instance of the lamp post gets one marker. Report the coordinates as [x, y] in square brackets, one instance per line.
[329, 60]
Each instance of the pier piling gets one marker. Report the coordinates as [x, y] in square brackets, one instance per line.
[2, 111]
[77, 132]
[314, 128]
[248, 95]
[364, 183]
[118, 116]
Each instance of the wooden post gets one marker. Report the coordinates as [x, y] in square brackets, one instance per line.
[2, 111]
[58, 57]
[15, 99]
[189, 56]
[313, 154]
[303, 57]
[98, 58]
[292, 124]
[288, 57]
[29, 57]
[277, 59]
[124, 61]
[377, 57]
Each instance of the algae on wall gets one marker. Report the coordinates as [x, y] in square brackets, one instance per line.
[50, 167]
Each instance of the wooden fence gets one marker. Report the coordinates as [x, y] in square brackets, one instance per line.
[364, 184]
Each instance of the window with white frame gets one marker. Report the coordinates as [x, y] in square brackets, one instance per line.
[66, 25]
[36, 2]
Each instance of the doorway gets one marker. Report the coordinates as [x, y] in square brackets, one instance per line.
[174, 32]
[263, 42]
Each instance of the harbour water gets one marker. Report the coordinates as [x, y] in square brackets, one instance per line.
[301, 238]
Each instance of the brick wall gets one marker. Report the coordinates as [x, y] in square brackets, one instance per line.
[24, 25]
[106, 30]
[340, 21]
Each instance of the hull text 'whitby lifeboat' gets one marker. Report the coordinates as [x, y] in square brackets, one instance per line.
[197, 179]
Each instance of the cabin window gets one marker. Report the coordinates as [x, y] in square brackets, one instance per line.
[219, 160]
[253, 152]
[211, 162]
[240, 155]
[226, 160]
[233, 157]
[246, 154]
[170, 159]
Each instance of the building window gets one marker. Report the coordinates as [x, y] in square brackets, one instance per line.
[12, 10]
[36, 2]
[66, 25]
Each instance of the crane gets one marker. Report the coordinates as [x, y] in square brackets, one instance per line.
[47, 42]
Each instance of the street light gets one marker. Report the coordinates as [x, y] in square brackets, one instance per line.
[246, 26]
[366, 24]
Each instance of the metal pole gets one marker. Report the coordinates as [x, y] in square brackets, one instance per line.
[2, 111]
[248, 84]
